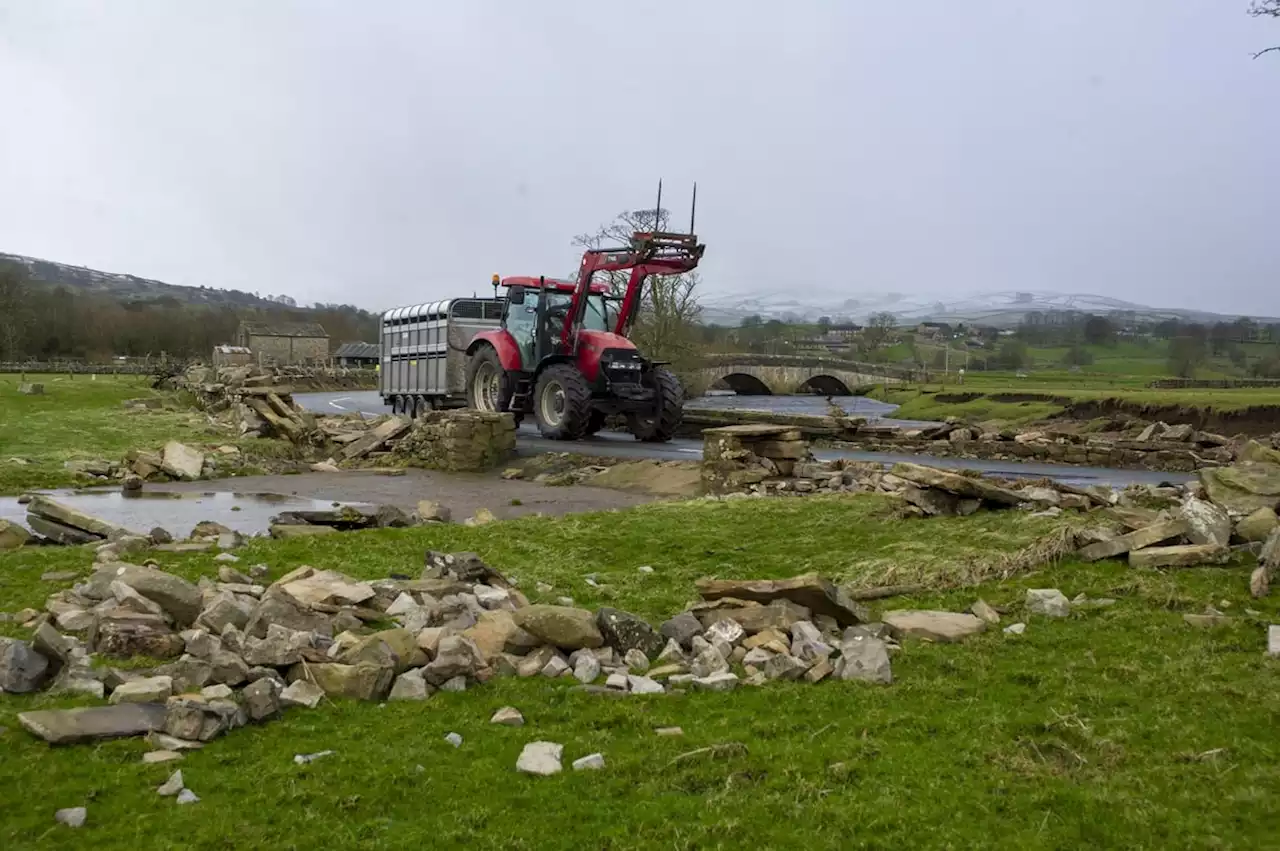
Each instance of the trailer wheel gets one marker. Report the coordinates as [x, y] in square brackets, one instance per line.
[562, 402]
[660, 425]
[488, 386]
[397, 405]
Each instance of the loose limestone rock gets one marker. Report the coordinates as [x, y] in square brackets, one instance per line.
[1189, 555]
[934, 626]
[864, 658]
[508, 716]
[624, 631]
[591, 762]
[143, 690]
[565, 627]
[1206, 522]
[1048, 601]
[178, 597]
[181, 461]
[68, 726]
[22, 669]
[410, 685]
[1256, 527]
[302, 693]
[359, 682]
[540, 758]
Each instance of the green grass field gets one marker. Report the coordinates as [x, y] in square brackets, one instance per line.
[85, 419]
[1120, 727]
[78, 419]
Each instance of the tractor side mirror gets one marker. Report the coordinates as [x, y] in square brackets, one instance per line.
[515, 295]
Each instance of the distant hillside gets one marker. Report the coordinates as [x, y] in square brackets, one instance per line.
[998, 309]
[131, 288]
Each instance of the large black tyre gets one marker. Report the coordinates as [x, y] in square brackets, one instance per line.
[489, 388]
[562, 402]
[660, 425]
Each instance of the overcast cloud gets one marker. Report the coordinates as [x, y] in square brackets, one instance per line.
[391, 152]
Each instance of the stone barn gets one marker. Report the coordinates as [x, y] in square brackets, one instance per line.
[357, 355]
[231, 355]
[282, 343]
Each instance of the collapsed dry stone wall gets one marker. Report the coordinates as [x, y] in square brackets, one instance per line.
[459, 441]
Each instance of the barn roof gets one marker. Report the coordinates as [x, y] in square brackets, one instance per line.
[284, 329]
[357, 350]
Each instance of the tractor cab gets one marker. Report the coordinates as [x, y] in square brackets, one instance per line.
[535, 309]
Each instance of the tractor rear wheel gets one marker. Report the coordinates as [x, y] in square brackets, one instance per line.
[660, 425]
[562, 402]
[488, 386]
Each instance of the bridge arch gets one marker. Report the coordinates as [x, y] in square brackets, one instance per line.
[744, 384]
[824, 385]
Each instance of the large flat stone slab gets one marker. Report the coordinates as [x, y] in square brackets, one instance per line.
[1144, 537]
[947, 627]
[87, 724]
[961, 486]
[1185, 556]
[820, 596]
[43, 506]
[1243, 488]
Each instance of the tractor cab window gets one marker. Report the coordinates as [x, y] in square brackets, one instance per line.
[596, 316]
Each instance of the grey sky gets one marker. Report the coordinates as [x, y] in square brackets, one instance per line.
[391, 152]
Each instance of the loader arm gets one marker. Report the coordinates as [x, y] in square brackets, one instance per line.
[648, 254]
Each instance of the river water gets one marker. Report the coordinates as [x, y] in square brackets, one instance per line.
[855, 406]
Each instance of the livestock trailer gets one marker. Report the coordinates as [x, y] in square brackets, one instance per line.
[423, 352]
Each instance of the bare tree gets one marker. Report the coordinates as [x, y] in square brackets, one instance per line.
[14, 310]
[1265, 8]
[669, 310]
[879, 327]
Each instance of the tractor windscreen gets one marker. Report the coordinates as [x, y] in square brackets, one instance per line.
[596, 315]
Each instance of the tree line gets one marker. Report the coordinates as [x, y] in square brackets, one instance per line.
[38, 322]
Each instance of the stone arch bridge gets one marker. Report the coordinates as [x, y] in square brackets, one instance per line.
[779, 375]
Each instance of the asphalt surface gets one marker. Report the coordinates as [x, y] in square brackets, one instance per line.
[368, 403]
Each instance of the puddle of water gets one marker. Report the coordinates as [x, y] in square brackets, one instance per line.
[249, 514]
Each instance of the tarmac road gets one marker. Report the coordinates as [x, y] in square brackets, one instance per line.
[368, 403]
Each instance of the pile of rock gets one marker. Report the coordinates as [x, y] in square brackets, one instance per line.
[459, 441]
[250, 398]
[1179, 448]
[241, 651]
[297, 524]
[736, 457]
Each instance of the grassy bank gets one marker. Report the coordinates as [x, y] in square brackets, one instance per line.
[1016, 401]
[1120, 727]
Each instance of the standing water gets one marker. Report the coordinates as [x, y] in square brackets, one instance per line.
[177, 513]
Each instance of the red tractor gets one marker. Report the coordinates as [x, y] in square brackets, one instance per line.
[562, 353]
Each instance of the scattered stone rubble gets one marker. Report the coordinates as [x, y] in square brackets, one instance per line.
[241, 653]
[1155, 446]
[252, 400]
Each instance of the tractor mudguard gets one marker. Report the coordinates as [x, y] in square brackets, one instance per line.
[503, 343]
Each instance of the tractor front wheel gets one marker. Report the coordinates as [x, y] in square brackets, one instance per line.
[562, 403]
[660, 425]
[488, 387]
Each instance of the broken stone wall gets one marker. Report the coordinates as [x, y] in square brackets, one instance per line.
[736, 457]
[459, 441]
